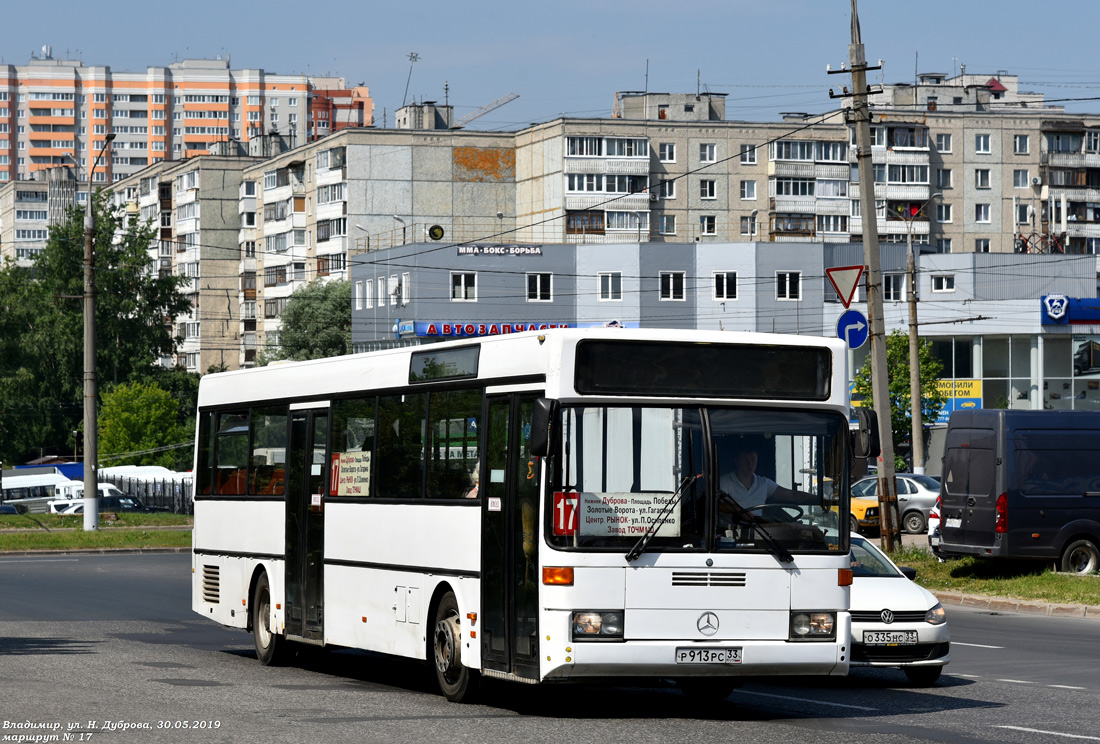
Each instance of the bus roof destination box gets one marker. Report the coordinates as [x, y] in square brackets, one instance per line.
[1023, 484]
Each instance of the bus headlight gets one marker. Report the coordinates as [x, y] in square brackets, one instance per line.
[597, 624]
[813, 626]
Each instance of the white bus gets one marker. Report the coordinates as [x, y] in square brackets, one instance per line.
[538, 507]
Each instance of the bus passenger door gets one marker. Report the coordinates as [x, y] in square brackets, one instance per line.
[510, 539]
[305, 537]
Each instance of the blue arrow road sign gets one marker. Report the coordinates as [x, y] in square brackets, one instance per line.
[853, 329]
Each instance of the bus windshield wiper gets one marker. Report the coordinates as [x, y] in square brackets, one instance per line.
[673, 500]
[774, 546]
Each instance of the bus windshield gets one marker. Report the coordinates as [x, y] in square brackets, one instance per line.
[740, 480]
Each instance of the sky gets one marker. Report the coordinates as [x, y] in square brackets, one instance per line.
[570, 57]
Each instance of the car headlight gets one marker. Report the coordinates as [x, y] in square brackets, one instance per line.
[936, 616]
[597, 624]
[813, 626]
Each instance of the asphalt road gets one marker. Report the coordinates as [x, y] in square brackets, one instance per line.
[112, 639]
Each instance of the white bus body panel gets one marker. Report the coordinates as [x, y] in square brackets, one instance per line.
[395, 573]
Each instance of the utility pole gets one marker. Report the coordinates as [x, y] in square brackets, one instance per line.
[91, 431]
[880, 386]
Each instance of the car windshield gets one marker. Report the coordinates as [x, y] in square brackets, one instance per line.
[865, 488]
[720, 479]
[867, 560]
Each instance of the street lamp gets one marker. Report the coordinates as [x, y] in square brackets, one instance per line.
[916, 450]
[91, 443]
[402, 228]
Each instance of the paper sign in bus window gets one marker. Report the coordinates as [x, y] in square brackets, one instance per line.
[625, 514]
[350, 474]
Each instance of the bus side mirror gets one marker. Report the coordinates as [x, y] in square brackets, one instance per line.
[865, 439]
[544, 427]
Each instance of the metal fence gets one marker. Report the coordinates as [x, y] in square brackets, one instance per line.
[168, 492]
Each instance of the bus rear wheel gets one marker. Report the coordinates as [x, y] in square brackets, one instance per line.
[271, 647]
[457, 682]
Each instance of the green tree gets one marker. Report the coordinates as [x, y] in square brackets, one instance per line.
[137, 417]
[41, 327]
[897, 362]
[316, 323]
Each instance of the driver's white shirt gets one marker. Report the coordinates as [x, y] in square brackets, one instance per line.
[756, 494]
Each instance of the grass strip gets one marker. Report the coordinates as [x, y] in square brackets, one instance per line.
[105, 538]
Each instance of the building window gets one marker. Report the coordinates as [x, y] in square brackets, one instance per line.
[667, 152]
[981, 144]
[787, 285]
[463, 286]
[748, 154]
[667, 188]
[1020, 179]
[943, 142]
[748, 225]
[672, 285]
[943, 213]
[706, 152]
[943, 245]
[725, 285]
[943, 283]
[584, 222]
[539, 287]
[981, 178]
[748, 190]
[611, 286]
[832, 223]
[1023, 214]
[981, 213]
[667, 224]
[708, 224]
[981, 245]
[707, 189]
[1020, 144]
[943, 178]
[893, 287]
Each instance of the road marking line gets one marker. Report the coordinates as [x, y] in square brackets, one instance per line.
[974, 645]
[1051, 733]
[1017, 681]
[972, 676]
[804, 700]
[1067, 687]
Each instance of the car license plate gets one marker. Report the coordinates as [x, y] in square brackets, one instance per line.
[934, 540]
[889, 637]
[704, 655]
[954, 523]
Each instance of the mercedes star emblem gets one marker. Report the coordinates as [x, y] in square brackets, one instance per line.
[708, 624]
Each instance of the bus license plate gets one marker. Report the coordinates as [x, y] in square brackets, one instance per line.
[889, 637]
[708, 655]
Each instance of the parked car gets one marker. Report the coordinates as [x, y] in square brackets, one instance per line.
[917, 495]
[8, 509]
[864, 514]
[895, 622]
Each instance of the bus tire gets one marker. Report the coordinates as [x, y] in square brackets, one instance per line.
[458, 683]
[914, 522]
[271, 648]
[1080, 557]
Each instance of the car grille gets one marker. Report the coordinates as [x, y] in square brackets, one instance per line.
[900, 616]
[919, 652]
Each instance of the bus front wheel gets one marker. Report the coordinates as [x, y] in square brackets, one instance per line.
[708, 689]
[270, 646]
[456, 682]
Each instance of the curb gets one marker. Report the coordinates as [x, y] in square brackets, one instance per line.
[91, 551]
[1029, 607]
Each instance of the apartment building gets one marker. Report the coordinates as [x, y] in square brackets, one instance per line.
[28, 209]
[194, 204]
[55, 111]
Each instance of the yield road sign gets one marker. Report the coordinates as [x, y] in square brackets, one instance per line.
[845, 279]
[853, 329]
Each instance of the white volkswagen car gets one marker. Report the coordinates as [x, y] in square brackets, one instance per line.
[895, 622]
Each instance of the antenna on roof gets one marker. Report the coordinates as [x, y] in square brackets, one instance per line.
[413, 57]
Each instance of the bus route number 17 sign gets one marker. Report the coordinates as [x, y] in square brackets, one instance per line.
[565, 513]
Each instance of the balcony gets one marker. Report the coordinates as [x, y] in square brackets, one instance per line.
[793, 204]
[790, 169]
[1082, 229]
[613, 166]
[624, 202]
